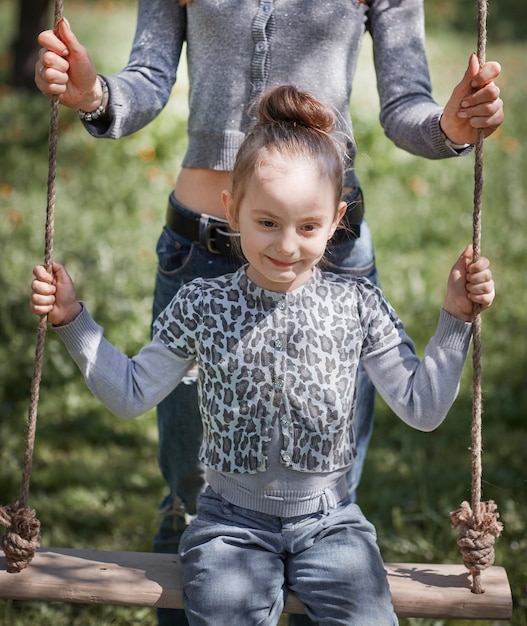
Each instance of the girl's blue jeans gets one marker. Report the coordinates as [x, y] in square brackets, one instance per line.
[179, 423]
[238, 565]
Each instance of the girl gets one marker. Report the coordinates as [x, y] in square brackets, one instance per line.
[278, 344]
[235, 50]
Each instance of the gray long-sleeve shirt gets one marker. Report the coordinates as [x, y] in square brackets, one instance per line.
[238, 48]
[277, 376]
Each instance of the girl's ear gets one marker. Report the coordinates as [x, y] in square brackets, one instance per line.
[341, 211]
[226, 199]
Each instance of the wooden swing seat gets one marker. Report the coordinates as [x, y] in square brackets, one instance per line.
[155, 580]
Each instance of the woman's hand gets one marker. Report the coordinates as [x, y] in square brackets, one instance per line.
[474, 104]
[64, 69]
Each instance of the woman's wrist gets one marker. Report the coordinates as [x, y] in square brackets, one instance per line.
[100, 102]
[451, 144]
[72, 314]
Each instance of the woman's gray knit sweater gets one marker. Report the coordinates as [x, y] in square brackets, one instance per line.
[238, 48]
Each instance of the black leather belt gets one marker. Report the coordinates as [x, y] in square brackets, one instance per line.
[210, 232]
[215, 235]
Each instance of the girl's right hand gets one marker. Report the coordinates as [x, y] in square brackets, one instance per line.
[64, 68]
[54, 295]
[469, 283]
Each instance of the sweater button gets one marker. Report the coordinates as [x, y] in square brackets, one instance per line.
[286, 457]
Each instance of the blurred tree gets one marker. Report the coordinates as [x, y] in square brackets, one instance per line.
[32, 18]
[507, 19]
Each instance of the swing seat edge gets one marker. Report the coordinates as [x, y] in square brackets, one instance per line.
[155, 580]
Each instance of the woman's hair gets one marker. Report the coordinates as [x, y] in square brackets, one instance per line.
[290, 123]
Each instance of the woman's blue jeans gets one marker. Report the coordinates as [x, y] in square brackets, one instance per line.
[239, 564]
[179, 423]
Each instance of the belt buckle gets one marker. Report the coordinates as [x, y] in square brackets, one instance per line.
[207, 229]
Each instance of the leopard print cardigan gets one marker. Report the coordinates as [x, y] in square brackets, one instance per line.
[287, 360]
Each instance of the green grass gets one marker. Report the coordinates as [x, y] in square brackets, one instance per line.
[95, 481]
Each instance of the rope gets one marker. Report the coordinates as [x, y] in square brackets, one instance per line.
[478, 524]
[22, 538]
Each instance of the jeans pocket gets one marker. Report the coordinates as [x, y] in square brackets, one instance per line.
[173, 252]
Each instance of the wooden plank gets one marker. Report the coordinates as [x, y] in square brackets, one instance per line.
[147, 579]
[443, 591]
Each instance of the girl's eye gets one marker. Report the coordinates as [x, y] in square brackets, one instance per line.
[267, 224]
[309, 228]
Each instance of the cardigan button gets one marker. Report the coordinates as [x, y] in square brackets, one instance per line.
[286, 457]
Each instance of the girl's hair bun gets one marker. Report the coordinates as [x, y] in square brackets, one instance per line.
[287, 105]
[293, 124]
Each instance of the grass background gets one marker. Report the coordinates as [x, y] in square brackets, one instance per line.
[95, 481]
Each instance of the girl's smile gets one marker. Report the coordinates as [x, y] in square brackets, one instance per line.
[280, 263]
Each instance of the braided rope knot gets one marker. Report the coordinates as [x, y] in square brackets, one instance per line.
[477, 536]
[22, 538]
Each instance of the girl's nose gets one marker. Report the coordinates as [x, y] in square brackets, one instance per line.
[286, 242]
